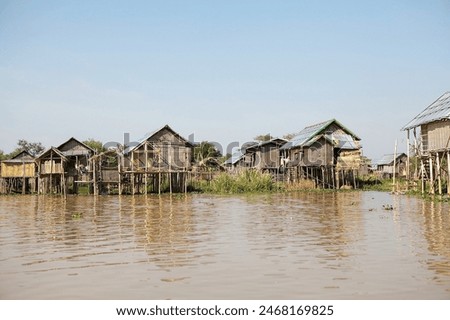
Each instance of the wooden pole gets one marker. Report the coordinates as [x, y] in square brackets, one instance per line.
[395, 167]
[159, 171]
[23, 178]
[431, 175]
[448, 172]
[119, 169]
[170, 169]
[323, 178]
[408, 155]
[146, 167]
[51, 171]
[422, 174]
[94, 177]
[416, 154]
[333, 177]
[63, 181]
[438, 173]
[132, 172]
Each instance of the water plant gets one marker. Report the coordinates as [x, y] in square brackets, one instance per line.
[249, 181]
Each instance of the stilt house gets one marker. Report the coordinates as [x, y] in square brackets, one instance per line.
[162, 154]
[64, 169]
[431, 144]
[18, 175]
[265, 156]
[327, 153]
[51, 177]
[241, 159]
[384, 167]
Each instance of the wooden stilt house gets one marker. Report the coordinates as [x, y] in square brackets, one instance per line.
[159, 162]
[430, 146]
[77, 168]
[51, 176]
[18, 175]
[66, 168]
[106, 169]
[388, 164]
[241, 159]
[327, 153]
[266, 155]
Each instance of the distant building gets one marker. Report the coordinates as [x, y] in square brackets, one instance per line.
[266, 155]
[384, 167]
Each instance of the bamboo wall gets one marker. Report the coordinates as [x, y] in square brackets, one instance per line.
[17, 170]
[436, 136]
[51, 167]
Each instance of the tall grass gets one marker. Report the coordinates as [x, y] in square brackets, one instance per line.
[248, 181]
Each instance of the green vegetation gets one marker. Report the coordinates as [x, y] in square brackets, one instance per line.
[248, 181]
[205, 150]
[96, 145]
[3, 156]
[263, 137]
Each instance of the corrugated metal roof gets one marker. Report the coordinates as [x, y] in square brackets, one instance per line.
[141, 141]
[438, 110]
[312, 133]
[306, 134]
[255, 145]
[388, 159]
[343, 141]
[235, 157]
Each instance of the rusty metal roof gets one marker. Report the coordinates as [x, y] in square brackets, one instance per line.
[438, 110]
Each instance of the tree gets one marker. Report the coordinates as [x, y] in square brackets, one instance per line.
[33, 148]
[263, 137]
[289, 136]
[95, 144]
[3, 156]
[205, 150]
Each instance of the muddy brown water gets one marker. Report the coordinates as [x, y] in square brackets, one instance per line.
[276, 246]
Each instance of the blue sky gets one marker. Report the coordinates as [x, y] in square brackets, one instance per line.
[224, 71]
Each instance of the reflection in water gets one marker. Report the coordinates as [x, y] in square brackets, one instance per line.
[436, 231]
[278, 246]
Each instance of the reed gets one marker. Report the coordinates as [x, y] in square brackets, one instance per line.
[249, 181]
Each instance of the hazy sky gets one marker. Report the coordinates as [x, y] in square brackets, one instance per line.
[222, 70]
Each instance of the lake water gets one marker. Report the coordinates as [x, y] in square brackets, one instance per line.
[328, 245]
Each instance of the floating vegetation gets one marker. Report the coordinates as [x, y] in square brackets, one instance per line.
[76, 215]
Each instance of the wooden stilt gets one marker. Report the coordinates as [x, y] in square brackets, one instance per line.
[159, 172]
[422, 174]
[432, 191]
[408, 151]
[94, 178]
[146, 167]
[333, 177]
[23, 178]
[51, 171]
[119, 168]
[323, 178]
[132, 173]
[395, 167]
[438, 173]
